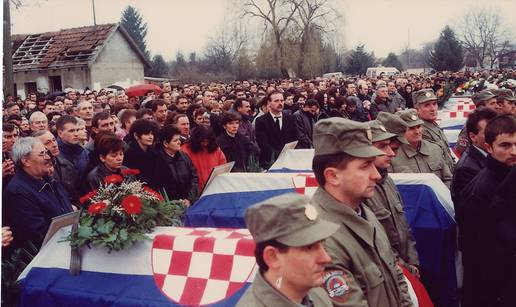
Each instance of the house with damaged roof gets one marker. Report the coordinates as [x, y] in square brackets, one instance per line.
[87, 57]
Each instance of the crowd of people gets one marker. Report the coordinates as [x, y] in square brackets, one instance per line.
[55, 149]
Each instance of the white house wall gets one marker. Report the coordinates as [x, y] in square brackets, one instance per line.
[76, 78]
[117, 64]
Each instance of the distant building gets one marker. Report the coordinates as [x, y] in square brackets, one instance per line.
[508, 59]
[93, 57]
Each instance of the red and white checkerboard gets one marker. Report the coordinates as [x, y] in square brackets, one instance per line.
[446, 115]
[305, 184]
[199, 266]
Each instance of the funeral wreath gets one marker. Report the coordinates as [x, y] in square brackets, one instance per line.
[121, 212]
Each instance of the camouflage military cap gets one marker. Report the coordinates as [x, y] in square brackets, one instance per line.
[394, 124]
[423, 96]
[289, 219]
[338, 135]
[380, 133]
[410, 117]
[505, 93]
[482, 96]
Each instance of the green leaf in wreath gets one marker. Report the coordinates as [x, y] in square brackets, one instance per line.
[111, 238]
[84, 232]
[123, 234]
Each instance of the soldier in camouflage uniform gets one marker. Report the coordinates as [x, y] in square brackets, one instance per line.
[420, 156]
[388, 135]
[364, 271]
[425, 103]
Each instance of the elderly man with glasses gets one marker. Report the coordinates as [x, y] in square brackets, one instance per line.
[32, 198]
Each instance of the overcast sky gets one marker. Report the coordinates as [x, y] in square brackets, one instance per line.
[186, 25]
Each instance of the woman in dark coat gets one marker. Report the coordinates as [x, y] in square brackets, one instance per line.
[178, 176]
[140, 154]
[235, 146]
[109, 153]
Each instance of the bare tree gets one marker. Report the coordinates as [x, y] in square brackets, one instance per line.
[313, 17]
[277, 16]
[484, 35]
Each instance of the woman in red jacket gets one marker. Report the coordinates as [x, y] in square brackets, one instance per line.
[204, 153]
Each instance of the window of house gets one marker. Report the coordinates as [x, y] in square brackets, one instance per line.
[55, 83]
[30, 87]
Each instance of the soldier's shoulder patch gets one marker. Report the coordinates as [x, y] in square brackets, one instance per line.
[337, 285]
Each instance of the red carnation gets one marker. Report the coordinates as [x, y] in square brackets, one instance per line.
[130, 171]
[153, 193]
[132, 204]
[96, 208]
[87, 196]
[113, 179]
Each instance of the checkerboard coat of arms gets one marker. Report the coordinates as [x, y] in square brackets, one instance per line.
[200, 266]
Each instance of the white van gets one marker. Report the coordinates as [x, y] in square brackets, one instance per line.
[333, 75]
[373, 72]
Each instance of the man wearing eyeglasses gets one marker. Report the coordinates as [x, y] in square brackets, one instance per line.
[32, 198]
[64, 171]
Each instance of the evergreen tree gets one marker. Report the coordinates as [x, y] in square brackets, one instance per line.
[359, 60]
[447, 53]
[392, 61]
[159, 68]
[133, 23]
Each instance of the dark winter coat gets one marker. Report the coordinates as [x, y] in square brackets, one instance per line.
[30, 204]
[145, 161]
[178, 176]
[238, 149]
[471, 162]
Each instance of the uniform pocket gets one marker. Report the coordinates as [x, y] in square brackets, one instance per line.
[435, 165]
[373, 275]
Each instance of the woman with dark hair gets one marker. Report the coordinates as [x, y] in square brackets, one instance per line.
[140, 155]
[204, 153]
[109, 153]
[339, 108]
[407, 94]
[235, 146]
[178, 175]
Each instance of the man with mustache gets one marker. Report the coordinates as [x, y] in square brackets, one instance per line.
[425, 103]
[274, 129]
[388, 135]
[364, 269]
[420, 155]
[33, 198]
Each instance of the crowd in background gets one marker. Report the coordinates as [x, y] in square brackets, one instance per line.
[57, 148]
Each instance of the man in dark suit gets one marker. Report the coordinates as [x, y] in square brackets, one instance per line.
[274, 129]
[474, 158]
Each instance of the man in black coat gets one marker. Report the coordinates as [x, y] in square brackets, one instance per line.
[477, 221]
[274, 129]
[474, 158]
[504, 239]
[305, 120]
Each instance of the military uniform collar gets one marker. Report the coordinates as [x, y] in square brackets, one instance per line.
[411, 152]
[269, 296]
[346, 215]
[431, 125]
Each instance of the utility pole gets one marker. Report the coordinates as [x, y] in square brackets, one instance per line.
[94, 18]
[8, 59]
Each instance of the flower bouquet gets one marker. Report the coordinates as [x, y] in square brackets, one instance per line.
[121, 212]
